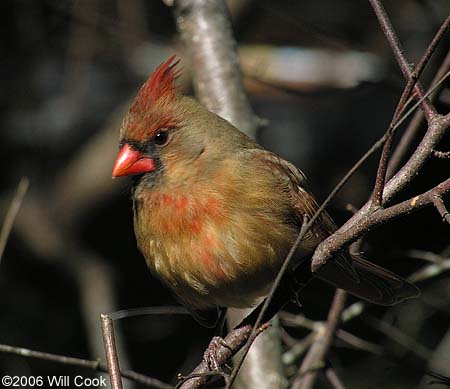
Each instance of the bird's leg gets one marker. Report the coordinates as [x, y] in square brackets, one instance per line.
[210, 355]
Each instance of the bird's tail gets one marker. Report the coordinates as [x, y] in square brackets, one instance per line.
[376, 285]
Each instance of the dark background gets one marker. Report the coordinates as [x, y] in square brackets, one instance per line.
[68, 71]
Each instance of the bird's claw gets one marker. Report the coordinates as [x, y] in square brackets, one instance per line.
[210, 355]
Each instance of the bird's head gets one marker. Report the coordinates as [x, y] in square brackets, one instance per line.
[162, 128]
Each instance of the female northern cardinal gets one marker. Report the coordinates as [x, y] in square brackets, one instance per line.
[215, 214]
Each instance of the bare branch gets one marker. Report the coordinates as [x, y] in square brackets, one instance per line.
[397, 49]
[361, 222]
[298, 349]
[399, 337]
[377, 217]
[440, 206]
[358, 343]
[334, 379]
[84, 363]
[320, 347]
[430, 271]
[441, 154]
[413, 127]
[377, 196]
[345, 336]
[111, 352]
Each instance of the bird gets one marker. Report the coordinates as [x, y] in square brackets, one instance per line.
[215, 214]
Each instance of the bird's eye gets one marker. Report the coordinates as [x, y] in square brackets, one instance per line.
[162, 138]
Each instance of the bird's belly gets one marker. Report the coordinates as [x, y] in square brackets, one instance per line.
[205, 273]
[214, 257]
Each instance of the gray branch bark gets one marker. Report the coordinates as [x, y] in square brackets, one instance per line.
[206, 32]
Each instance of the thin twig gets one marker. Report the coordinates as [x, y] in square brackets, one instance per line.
[111, 352]
[322, 344]
[431, 48]
[143, 311]
[413, 127]
[377, 196]
[441, 154]
[84, 363]
[430, 271]
[399, 337]
[12, 213]
[298, 349]
[289, 319]
[440, 206]
[378, 217]
[439, 379]
[433, 136]
[333, 378]
[397, 50]
[358, 343]
[427, 256]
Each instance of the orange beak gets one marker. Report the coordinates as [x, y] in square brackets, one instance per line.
[130, 162]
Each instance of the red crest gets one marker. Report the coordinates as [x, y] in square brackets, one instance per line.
[161, 84]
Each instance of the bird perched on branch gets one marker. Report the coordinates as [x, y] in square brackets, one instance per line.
[215, 214]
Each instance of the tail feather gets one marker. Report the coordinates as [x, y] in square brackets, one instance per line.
[376, 285]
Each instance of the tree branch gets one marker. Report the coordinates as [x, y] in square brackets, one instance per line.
[397, 50]
[206, 31]
[413, 127]
[377, 196]
[111, 352]
[322, 344]
[84, 363]
[440, 206]
[376, 218]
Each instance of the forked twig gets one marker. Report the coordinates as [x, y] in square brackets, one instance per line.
[429, 111]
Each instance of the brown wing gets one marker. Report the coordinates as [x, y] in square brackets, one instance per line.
[377, 285]
[303, 203]
[351, 273]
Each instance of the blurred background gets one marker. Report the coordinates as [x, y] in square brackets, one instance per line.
[322, 76]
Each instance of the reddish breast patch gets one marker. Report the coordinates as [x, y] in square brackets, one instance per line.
[180, 216]
[180, 213]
